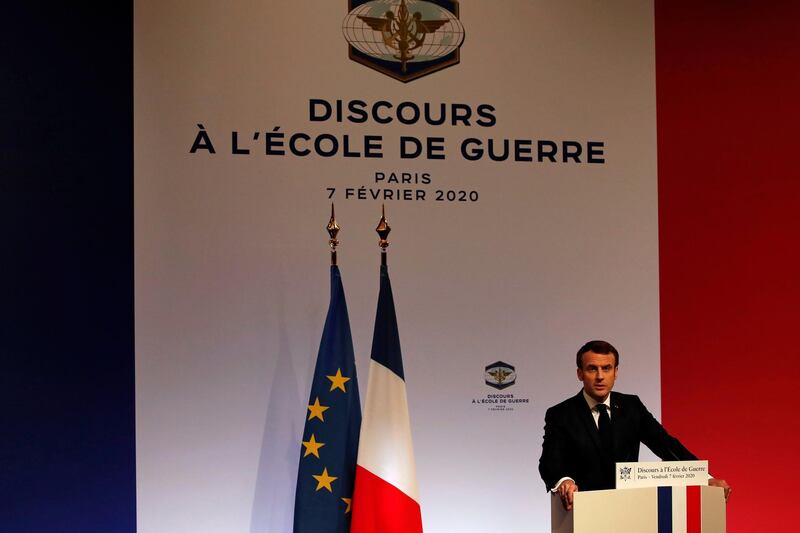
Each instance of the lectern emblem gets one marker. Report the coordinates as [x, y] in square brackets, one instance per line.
[500, 375]
[625, 472]
[404, 39]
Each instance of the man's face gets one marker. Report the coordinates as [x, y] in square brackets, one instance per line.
[598, 374]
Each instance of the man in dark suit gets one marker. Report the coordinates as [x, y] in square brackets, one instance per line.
[584, 436]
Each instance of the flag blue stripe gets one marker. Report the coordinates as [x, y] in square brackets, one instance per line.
[386, 339]
[664, 509]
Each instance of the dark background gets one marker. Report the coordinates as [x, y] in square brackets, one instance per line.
[67, 443]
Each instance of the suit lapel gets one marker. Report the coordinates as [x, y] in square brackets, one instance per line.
[619, 425]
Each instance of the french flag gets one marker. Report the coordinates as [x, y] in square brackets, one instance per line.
[386, 498]
[680, 510]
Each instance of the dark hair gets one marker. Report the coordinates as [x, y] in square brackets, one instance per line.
[598, 347]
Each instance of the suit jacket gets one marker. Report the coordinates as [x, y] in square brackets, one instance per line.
[572, 446]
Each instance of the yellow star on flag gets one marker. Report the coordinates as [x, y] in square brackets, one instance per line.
[338, 381]
[317, 410]
[348, 501]
[312, 447]
[324, 480]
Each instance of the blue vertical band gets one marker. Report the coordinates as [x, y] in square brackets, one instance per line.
[664, 509]
[386, 339]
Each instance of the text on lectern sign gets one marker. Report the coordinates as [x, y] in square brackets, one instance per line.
[661, 474]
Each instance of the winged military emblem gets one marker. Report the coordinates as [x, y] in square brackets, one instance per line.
[499, 375]
[403, 32]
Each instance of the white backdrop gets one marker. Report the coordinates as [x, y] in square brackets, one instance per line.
[232, 262]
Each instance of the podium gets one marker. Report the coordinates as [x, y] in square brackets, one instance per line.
[678, 509]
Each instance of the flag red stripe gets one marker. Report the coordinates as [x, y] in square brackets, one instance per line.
[380, 507]
[693, 509]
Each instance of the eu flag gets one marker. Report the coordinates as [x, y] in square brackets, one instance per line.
[333, 421]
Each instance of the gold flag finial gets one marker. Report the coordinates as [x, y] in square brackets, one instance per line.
[333, 230]
[383, 230]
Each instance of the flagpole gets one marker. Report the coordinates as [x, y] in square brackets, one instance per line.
[333, 230]
[383, 230]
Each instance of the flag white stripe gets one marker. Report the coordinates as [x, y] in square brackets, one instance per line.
[385, 447]
[678, 509]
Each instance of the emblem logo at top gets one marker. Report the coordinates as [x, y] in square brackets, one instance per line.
[404, 39]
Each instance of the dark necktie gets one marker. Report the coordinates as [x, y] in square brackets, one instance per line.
[604, 427]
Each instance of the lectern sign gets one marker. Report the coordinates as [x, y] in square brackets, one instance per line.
[661, 474]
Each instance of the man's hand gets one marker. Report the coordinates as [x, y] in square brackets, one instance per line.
[721, 483]
[565, 491]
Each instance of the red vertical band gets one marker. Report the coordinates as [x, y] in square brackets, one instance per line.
[693, 510]
[380, 507]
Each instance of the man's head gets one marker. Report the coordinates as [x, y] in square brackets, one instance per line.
[598, 347]
[597, 368]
